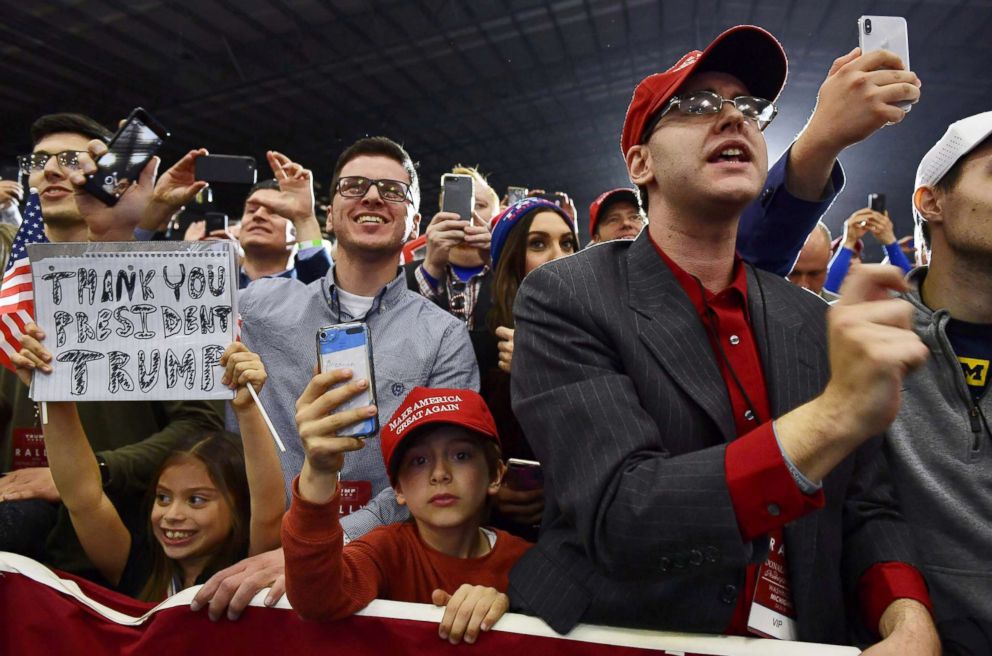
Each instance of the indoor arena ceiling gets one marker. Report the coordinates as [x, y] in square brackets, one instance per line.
[533, 91]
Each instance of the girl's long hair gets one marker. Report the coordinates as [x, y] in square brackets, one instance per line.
[510, 272]
[222, 455]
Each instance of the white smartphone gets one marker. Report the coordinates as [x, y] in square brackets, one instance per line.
[457, 195]
[349, 346]
[886, 33]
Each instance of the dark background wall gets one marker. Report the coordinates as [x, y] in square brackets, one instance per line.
[533, 91]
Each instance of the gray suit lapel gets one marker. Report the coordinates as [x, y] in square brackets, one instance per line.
[668, 325]
[783, 346]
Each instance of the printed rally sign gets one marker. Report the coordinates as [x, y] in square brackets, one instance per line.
[134, 321]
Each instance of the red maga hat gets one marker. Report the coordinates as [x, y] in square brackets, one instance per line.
[747, 52]
[424, 406]
[605, 198]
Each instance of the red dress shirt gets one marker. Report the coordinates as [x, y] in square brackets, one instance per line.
[764, 494]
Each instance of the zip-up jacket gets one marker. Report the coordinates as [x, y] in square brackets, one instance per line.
[940, 452]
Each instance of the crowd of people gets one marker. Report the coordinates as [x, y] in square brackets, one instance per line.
[710, 448]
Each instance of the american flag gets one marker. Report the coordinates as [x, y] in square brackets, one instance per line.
[16, 293]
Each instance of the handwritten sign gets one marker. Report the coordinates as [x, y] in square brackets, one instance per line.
[134, 320]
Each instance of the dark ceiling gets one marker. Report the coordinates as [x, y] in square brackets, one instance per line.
[534, 91]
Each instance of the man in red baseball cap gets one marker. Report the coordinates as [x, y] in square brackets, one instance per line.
[705, 435]
[442, 454]
[615, 214]
[803, 182]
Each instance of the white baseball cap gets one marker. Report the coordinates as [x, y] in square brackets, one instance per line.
[959, 140]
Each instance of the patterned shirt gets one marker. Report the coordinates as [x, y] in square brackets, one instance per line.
[462, 294]
[414, 342]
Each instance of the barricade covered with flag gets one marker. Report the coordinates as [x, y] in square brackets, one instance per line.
[16, 292]
[45, 613]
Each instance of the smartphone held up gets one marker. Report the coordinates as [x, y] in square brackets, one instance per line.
[886, 33]
[349, 346]
[129, 150]
[228, 169]
[457, 195]
[876, 202]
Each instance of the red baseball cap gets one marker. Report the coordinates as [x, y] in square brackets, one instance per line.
[747, 52]
[605, 198]
[424, 406]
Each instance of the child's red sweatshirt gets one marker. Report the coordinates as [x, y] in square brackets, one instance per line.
[327, 581]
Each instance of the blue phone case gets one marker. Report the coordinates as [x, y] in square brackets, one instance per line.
[349, 345]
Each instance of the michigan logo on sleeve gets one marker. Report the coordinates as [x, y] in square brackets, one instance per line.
[976, 371]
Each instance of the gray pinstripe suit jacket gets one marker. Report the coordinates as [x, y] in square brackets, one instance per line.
[619, 393]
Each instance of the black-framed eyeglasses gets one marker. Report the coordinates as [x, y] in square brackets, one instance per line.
[759, 110]
[354, 186]
[67, 159]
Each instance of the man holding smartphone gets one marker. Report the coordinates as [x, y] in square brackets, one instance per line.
[414, 343]
[129, 439]
[706, 436]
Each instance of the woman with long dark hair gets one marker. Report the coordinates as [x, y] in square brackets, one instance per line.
[526, 235]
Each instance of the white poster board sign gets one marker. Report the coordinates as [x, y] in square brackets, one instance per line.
[134, 321]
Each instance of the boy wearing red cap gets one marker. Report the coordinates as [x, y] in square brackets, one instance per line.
[442, 455]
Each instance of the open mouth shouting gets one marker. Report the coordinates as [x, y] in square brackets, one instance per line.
[731, 153]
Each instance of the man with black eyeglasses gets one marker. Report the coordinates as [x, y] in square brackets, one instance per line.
[374, 210]
[705, 442]
[58, 140]
[129, 439]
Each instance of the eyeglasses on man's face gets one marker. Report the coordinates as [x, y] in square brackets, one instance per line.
[699, 103]
[354, 186]
[67, 159]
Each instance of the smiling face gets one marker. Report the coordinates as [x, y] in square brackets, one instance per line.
[58, 206]
[548, 238]
[370, 224]
[263, 229]
[445, 478]
[703, 164]
[190, 518]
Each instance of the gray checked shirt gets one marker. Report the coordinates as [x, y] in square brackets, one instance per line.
[414, 343]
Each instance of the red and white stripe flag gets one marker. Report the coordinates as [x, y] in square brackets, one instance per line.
[17, 293]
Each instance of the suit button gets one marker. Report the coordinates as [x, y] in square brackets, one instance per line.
[774, 510]
[665, 565]
[729, 594]
[712, 553]
[696, 557]
[680, 561]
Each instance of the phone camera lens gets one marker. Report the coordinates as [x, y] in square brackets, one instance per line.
[323, 336]
[867, 26]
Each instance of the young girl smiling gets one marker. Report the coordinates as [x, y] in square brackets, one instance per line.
[216, 499]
